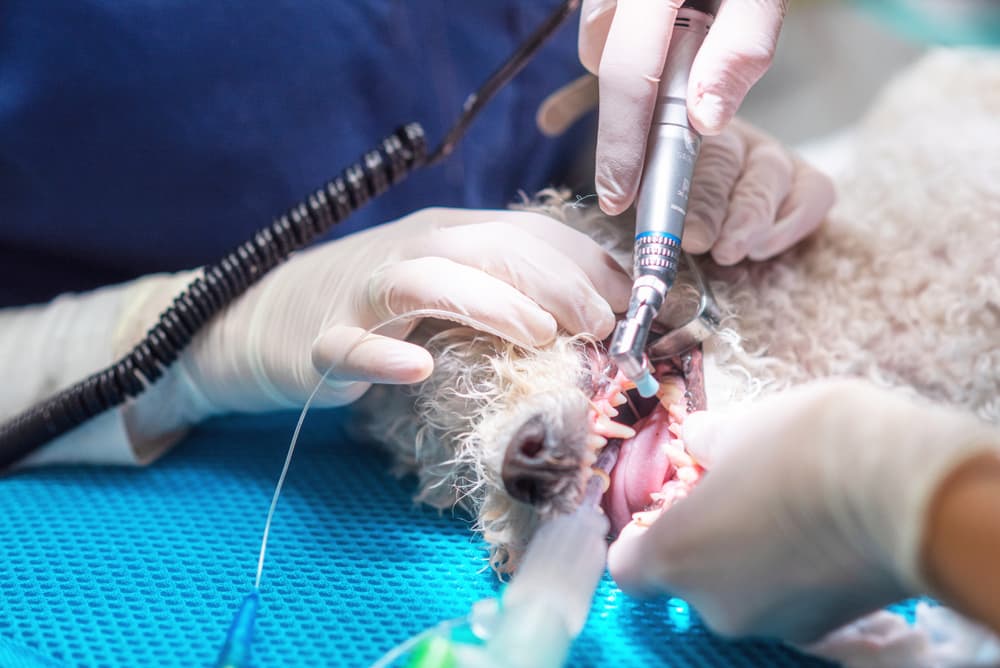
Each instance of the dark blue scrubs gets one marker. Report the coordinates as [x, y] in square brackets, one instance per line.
[149, 135]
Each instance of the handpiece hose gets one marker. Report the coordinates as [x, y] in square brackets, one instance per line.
[661, 204]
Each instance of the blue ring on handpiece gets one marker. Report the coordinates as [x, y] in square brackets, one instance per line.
[659, 234]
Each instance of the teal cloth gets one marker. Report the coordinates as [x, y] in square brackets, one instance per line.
[142, 567]
[953, 23]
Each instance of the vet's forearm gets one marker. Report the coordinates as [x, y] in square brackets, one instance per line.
[962, 546]
[48, 347]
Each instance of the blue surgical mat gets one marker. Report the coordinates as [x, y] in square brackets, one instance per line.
[108, 566]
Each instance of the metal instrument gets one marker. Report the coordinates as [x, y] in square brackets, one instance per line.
[696, 327]
[661, 204]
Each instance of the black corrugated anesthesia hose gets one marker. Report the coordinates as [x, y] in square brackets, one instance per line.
[224, 281]
[219, 285]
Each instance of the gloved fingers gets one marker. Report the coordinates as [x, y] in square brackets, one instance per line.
[353, 356]
[538, 270]
[667, 557]
[824, 523]
[705, 437]
[758, 194]
[688, 551]
[645, 561]
[610, 280]
[712, 437]
[557, 281]
[439, 283]
[719, 165]
[803, 211]
[736, 53]
[635, 569]
[595, 22]
[608, 277]
[565, 106]
[629, 73]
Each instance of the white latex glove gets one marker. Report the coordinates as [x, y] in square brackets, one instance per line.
[625, 44]
[751, 197]
[812, 511]
[48, 347]
[522, 274]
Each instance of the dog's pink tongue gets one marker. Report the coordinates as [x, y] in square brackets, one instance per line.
[642, 467]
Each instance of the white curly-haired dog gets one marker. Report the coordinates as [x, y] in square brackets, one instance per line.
[901, 286]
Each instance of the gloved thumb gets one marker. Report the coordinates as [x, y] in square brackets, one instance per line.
[353, 355]
[736, 53]
[706, 436]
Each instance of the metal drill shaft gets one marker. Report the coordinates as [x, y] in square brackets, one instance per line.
[661, 205]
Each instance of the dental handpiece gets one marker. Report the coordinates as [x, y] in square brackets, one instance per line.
[661, 203]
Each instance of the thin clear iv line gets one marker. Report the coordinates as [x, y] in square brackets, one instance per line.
[417, 313]
[281, 478]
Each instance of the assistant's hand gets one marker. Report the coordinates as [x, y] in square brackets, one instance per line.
[812, 511]
[625, 44]
[752, 197]
[521, 274]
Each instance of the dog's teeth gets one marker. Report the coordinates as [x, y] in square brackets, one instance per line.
[596, 441]
[670, 394]
[676, 454]
[610, 411]
[612, 429]
[677, 411]
[687, 474]
[618, 399]
[645, 518]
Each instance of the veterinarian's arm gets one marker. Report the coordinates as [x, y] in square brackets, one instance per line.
[521, 275]
[962, 545]
[625, 43]
[814, 511]
[48, 347]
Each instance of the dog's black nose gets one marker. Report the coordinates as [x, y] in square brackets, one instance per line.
[537, 463]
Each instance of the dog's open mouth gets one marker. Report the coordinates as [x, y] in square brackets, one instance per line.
[654, 470]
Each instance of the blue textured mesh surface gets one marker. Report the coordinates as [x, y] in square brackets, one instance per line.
[123, 567]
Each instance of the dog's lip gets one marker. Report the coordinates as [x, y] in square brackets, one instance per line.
[643, 466]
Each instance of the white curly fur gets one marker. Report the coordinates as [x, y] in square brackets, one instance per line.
[453, 429]
[901, 286]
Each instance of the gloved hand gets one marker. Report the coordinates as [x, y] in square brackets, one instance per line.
[812, 511]
[521, 274]
[625, 44]
[751, 197]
